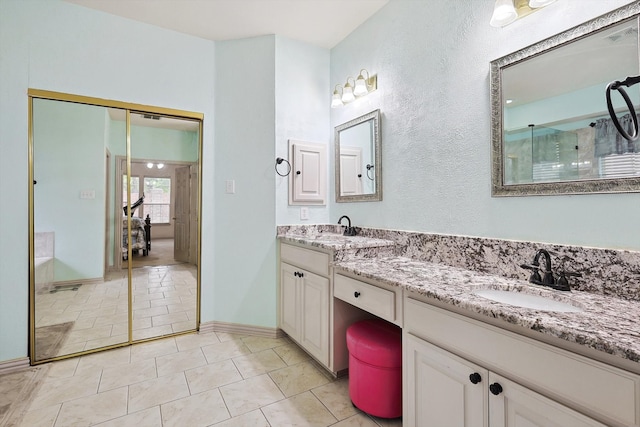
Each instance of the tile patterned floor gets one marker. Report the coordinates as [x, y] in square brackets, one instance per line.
[164, 302]
[213, 379]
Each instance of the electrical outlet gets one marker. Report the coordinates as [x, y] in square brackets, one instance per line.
[230, 186]
[304, 212]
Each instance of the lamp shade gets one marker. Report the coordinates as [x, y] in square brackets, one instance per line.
[361, 86]
[336, 99]
[347, 93]
[503, 13]
[534, 4]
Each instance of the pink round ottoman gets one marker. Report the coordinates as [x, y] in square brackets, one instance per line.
[375, 367]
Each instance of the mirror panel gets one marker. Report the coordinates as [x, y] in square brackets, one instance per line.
[358, 159]
[551, 131]
[164, 172]
[79, 305]
[86, 178]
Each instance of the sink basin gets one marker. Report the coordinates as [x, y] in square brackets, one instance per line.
[520, 299]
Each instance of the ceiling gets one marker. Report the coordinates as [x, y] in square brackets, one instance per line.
[323, 23]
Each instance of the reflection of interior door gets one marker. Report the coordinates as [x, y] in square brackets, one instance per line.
[350, 171]
[181, 218]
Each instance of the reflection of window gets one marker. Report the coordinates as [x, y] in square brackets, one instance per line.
[157, 199]
[135, 190]
[620, 165]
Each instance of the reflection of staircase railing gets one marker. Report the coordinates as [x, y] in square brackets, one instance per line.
[134, 206]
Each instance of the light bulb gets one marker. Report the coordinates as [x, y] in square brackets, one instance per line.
[534, 4]
[336, 99]
[347, 93]
[361, 86]
[503, 13]
[160, 165]
[150, 165]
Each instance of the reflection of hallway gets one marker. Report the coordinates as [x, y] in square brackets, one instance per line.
[161, 253]
[164, 302]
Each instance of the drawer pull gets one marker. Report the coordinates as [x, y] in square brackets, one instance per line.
[298, 274]
[495, 388]
[475, 378]
[356, 294]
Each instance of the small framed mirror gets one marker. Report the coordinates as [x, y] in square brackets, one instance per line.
[551, 131]
[358, 162]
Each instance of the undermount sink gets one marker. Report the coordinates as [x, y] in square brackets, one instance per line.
[525, 300]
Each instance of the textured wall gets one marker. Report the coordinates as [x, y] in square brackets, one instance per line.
[432, 60]
[302, 113]
[58, 46]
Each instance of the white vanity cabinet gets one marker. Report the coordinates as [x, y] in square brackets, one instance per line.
[304, 299]
[455, 366]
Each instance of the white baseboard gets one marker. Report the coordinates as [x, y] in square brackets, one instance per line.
[237, 328]
[9, 366]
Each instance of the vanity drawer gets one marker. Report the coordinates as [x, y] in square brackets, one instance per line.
[314, 261]
[588, 386]
[370, 298]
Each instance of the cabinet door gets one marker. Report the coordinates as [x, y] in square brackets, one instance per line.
[439, 390]
[517, 406]
[308, 178]
[314, 329]
[289, 301]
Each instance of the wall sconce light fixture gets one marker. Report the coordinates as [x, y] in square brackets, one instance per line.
[354, 89]
[507, 11]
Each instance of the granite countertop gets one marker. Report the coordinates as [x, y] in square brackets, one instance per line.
[334, 241]
[607, 324]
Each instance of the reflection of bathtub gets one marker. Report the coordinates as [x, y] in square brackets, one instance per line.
[44, 254]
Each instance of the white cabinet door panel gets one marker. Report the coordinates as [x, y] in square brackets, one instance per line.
[439, 391]
[517, 406]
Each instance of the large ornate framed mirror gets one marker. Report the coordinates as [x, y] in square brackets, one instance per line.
[358, 159]
[114, 238]
[550, 129]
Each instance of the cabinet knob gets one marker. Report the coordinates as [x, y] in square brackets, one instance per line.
[495, 388]
[475, 378]
[356, 294]
[298, 172]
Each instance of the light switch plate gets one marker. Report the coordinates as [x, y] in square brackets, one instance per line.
[230, 186]
[87, 194]
[304, 212]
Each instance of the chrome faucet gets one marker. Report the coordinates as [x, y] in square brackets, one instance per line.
[547, 279]
[349, 230]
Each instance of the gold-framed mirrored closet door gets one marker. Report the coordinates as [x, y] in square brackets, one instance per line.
[114, 223]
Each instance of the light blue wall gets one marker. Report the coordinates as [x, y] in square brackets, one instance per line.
[433, 92]
[53, 45]
[433, 80]
[245, 256]
[69, 157]
[302, 96]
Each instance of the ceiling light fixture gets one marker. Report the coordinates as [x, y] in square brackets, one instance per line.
[507, 11]
[354, 89]
[150, 165]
